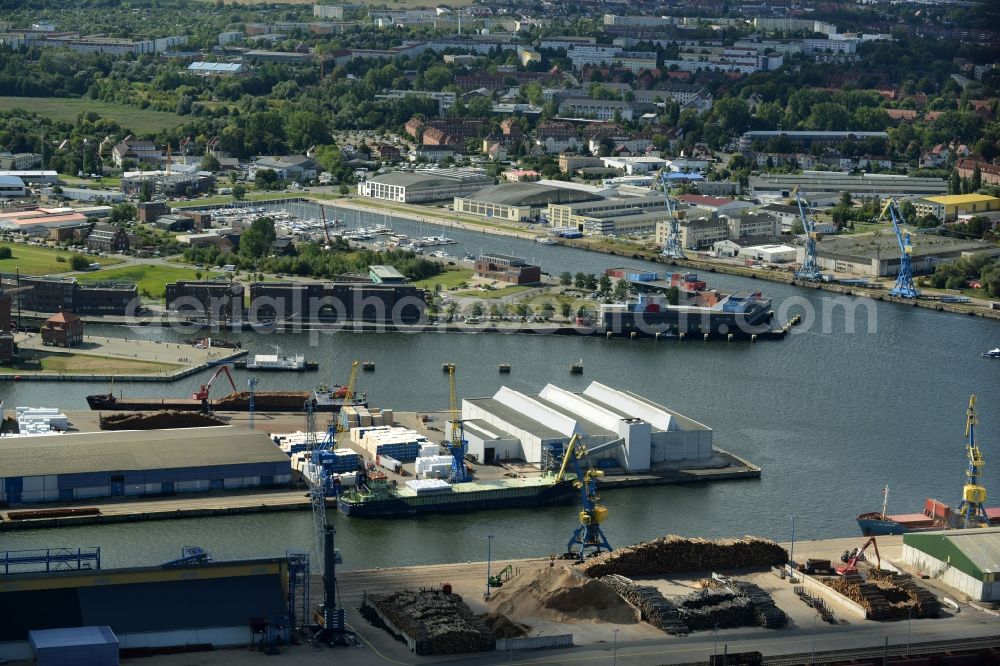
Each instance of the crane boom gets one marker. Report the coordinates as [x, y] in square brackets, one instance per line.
[973, 494]
[457, 439]
[851, 558]
[810, 266]
[588, 535]
[672, 246]
[904, 287]
[326, 227]
[202, 393]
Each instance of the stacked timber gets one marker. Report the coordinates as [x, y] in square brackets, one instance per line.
[769, 616]
[926, 604]
[656, 609]
[439, 623]
[886, 596]
[675, 554]
[157, 420]
[710, 608]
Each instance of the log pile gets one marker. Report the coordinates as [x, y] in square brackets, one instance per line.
[706, 609]
[675, 554]
[927, 605]
[656, 609]
[157, 420]
[439, 623]
[885, 596]
[769, 616]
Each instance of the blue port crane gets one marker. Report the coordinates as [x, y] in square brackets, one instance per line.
[588, 537]
[973, 494]
[904, 287]
[457, 443]
[672, 245]
[810, 266]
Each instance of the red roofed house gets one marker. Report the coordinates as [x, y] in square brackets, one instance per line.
[902, 114]
[63, 329]
[989, 173]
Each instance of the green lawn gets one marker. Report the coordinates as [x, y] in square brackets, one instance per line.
[448, 279]
[66, 109]
[496, 293]
[35, 260]
[149, 277]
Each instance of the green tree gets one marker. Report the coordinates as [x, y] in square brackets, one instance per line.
[78, 262]
[266, 179]
[239, 191]
[210, 163]
[580, 280]
[5, 253]
[565, 278]
[604, 284]
[255, 242]
[565, 309]
[304, 129]
[622, 289]
[977, 179]
[477, 309]
[954, 183]
[146, 191]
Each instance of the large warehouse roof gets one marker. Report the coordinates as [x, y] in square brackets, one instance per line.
[134, 450]
[431, 178]
[975, 552]
[866, 247]
[531, 194]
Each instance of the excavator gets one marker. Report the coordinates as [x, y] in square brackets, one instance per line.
[850, 558]
[202, 393]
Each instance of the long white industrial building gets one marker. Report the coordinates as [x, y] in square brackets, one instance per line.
[512, 425]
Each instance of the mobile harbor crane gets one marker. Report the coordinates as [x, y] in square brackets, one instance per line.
[810, 267]
[850, 558]
[904, 287]
[588, 536]
[202, 392]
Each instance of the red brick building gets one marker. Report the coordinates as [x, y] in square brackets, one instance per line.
[63, 329]
[990, 173]
[506, 268]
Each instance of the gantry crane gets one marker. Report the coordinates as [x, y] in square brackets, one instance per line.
[904, 287]
[588, 535]
[457, 441]
[973, 494]
[672, 245]
[810, 267]
[202, 393]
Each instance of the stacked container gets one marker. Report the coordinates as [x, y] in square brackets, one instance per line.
[40, 420]
[429, 486]
[433, 467]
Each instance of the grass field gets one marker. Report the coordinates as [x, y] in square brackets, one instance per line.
[66, 109]
[32, 260]
[449, 279]
[150, 278]
[83, 364]
[496, 293]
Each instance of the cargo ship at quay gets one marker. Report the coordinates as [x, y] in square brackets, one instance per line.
[971, 512]
[385, 499]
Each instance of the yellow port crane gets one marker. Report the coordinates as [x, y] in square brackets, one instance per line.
[973, 493]
[588, 535]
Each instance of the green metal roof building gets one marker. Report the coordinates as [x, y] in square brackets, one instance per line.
[966, 560]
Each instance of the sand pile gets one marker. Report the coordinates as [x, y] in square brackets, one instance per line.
[563, 594]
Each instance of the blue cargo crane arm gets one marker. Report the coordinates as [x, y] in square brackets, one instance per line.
[810, 265]
[904, 279]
